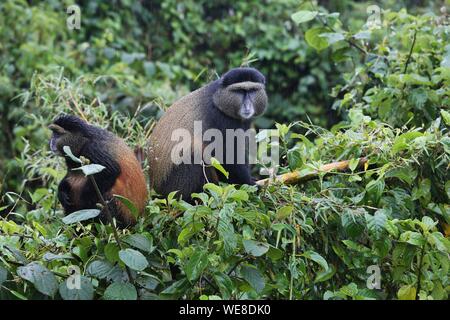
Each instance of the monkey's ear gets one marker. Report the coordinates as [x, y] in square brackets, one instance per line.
[57, 129]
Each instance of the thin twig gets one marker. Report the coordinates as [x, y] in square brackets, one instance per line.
[110, 220]
[410, 52]
[419, 271]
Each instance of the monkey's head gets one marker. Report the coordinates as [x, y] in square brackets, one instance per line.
[241, 93]
[69, 131]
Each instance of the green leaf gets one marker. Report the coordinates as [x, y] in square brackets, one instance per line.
[85, 291]
[403, 141]
[225, 284]
[81, 215]
[44, 280]
[112, 252]
[376, 223]
[350, 290]
[314, 256]
[325, 274]
[120, 291]
[312, 37]
[438, 240]
[196, 264]
[69, 153]
[407, 292]
[352, 222]
[239, 195]
[226, 230]
[303, 16]
[332, 37]
[99, 269]
[413, 238]
[177, 289]
[255, 248]
[353, 163]
[254, 278]
[91, 169]
[133, 259]
[446, 116]
[140, 242]
[375, 189]
[129, 204]
[216, 164]
[284, 212]
[274, 253]
[3, 275]
[406, 174]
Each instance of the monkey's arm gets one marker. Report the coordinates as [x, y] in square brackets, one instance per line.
[239, 174]
[64, 190]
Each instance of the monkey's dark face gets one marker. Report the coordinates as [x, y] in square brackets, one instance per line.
[61, 137]
[242, 100]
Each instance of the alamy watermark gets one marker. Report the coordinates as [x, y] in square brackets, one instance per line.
[234, 146]
[374, 280]
[73, 21]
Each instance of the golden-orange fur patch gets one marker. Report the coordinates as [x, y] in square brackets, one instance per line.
[131, 182]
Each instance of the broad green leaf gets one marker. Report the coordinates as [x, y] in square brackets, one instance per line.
[226, 230]
[312, 37]
[325, 274]
[413, 238]
[196, 264]
[255, 248]
[314, 256]
[274, 253]
[120, 291]
[375, 190]
[99, 269]
[133, 259]
[284, 212]
[216, 164]
[376, 223]
[303, 16]
[402, 142]
[225, 284]
[407, 292]
[438, 240]
[332, 37]
[177, 289]
[129, 204]
[239, 195]
[254, 278]
[44, 280]
[81, 215]
[140, 242]
[112, 252]
[3, 275]
[446, 116]
[85, 291]
[406, 174]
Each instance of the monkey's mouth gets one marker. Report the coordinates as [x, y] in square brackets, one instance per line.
[53, 145]
[246, 114]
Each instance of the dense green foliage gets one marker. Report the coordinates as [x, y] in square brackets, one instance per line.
[389, 84]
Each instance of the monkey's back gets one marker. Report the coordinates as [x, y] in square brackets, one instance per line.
[181, 115]
[131, 182]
